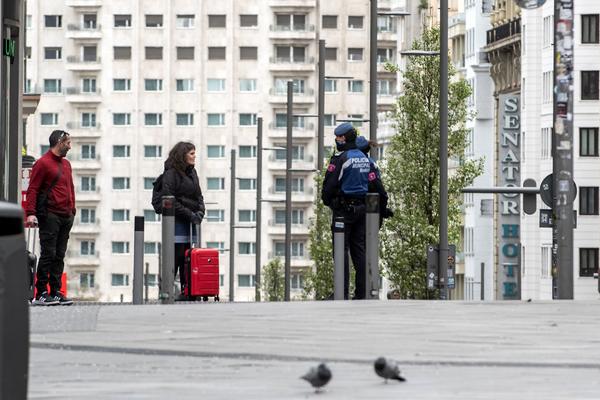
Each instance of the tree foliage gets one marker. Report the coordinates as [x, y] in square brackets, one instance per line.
[273, 284]
[411, 169]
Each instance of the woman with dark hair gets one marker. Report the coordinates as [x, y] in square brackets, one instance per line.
[181, 181]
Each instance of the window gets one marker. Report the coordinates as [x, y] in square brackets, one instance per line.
[329, 22]
[87, 248]
[248, 53]
[247, 152]
[331, 53]
[247, 184]
[49, 119]
[217, 21]
[546, 143]
[185, 119]
[90, 53]
[88, 152]
[185, 53]
[385, 87]
[588, 200]
[121, 151]
[121, 85]
[120, 247]
[281, 121]
[154, 20]
[355, 86]
[151, 216]
[330, 120]
[247, 215]
[215, 215]
[216, 53]
[385, 23]
[152, 151]
[88, 184]
[184, 21]
[215, 183]
[120, 215]
[44, 148]
[355, 54]
[546, 260]
[153, 53]
[330, 86]
[290, 22]
[184, 85]
[297, 281]
[247, 248]
[297, 217]
[247, 85]
[150, 248]
[122, 20]
[290, 54]
[89, 21]
[248, 20]
[215, 151]
[246, 280]
[298, 86]
[28, 87]
[120, 183]
[547, 85]
[215, 85]
[589, 85]
[248, 119]
[86, 280]
[122, 53]
[588, 142]
[52, 86]
[88, 120]
[589, 28]
[297, 152]
[216, 119]
[87, 215]
[297, 249]
[153, 119]
[53, 21]
[355, 22]
[88, 85]
[588, 262]
[358, 117]
[297, 185]
[29, 21]
[385, 54]
[119, 280]
[216, 245]
[52, 53]
[121, 119]
[149, 183]
[28, 52]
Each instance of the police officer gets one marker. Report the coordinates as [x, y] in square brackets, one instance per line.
[345, 186]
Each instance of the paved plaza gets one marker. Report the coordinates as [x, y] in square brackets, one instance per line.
[447, 350]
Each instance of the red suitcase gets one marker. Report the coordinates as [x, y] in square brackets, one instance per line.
[201, 268]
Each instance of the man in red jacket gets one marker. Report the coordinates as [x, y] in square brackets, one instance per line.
[51, 204]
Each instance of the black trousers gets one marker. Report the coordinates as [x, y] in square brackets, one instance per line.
[54, 235]
[354, 243]
[180, 249]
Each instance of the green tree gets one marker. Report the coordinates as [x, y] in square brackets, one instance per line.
[411, 169]
[273, 284]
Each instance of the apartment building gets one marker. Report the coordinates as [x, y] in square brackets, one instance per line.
[129, 79]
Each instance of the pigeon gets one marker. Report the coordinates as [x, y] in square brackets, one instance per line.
[387, 369]
[318, 376]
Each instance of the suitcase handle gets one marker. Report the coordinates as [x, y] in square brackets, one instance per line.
[192, 244]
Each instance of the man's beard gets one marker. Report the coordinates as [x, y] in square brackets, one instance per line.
[63, 152]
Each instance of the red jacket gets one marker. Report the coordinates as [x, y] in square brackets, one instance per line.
[61, 199]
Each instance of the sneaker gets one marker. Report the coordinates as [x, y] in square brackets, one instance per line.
[62, 299]
[45, 299]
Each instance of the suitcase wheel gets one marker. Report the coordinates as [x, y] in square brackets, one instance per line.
[216, 298]
[205, 298]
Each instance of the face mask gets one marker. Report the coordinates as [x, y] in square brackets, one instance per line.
[340, 146]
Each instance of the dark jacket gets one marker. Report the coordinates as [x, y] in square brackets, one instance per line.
[186, 189]
[61, 199]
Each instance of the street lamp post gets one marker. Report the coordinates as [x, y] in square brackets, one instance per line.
[443, 246]
[259, 145]
[321, 106]
[288, 190]
[373, 77]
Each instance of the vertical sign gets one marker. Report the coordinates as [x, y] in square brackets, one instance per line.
[509, 205]
[562, 152]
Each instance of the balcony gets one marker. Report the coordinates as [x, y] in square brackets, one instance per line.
[306, 64]
[507, 32]
[279, 97]
[298, 261]
[83, 3]
[86, 229]
[77, 63]
[306, 131]
[278, 228]
[76, 95]
[78, 129]
[80, 163]
[456, 26]
[381, 66]
[386, 99]
[293, 3]
[288, 32]
[76, 258]
[306, 196]
[278, 164]
[87, 195]
[84, 31]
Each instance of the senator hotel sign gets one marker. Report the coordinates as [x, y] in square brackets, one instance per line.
[509, 205]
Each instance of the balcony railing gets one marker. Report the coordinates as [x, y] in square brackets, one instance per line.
[80, 190]
[80, 157]
[504, 31]
[81, 125]
[307, 126]
[77, 254]
[84, 27]
[287, 60]
[78, 90]
[306, 191]
[307, 158]
[292, 28]
[79, 59]
[306, 92]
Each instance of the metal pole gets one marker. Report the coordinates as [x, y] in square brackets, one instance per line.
[232, 230]
[167, 269]
[562, 155]
[372, 241]
[138, 260]
[482, 281]
[373, 78]
[443, 248]
[321, 107]
[146, 276]
[288, 190]
[338, 258]
[259, 149]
